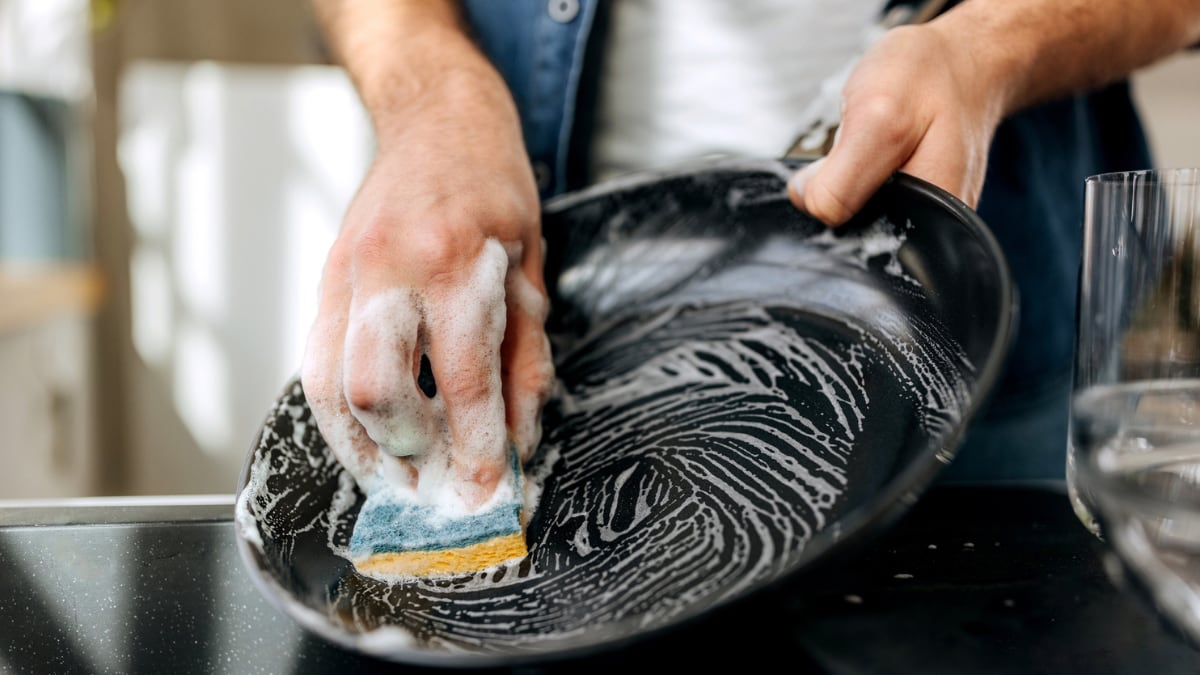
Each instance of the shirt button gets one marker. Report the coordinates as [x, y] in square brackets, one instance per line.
[541, 174]
[563, 11]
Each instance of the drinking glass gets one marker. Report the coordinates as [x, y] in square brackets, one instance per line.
[1133, 460]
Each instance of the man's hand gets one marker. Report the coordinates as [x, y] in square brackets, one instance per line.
[926, 99]
[429, 331]
[428, 358]
[914, 103]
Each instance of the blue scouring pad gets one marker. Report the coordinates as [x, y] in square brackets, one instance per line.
[395, 537]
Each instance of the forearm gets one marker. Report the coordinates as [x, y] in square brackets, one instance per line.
[1040, 49]
[413, 60]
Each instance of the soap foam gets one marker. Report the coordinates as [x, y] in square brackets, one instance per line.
[444, 462]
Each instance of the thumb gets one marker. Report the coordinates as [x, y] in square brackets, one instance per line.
[871, 144]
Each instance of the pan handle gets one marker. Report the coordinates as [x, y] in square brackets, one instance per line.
[816, 141]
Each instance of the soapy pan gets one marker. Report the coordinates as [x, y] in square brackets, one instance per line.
[745, 396]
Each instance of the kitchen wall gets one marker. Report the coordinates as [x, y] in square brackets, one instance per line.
[49, 288]
[227, 249]
[222, 154]
[1168, 95]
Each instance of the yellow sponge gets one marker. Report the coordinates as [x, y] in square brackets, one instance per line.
[445, 562]
[395, 537]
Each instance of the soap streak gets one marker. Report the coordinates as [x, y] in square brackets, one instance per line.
[693, 451]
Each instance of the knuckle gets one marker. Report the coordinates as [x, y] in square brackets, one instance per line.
[440, 246]
[337, 261]
[882, 114]
[465, 386]
[531, 383]
[364, 392]
[482, 473]
[375, 246]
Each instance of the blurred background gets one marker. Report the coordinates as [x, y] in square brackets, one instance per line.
[171, 174]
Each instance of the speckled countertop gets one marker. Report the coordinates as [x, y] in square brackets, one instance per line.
[973, 580]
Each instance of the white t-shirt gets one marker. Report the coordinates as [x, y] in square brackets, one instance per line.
[688, 78]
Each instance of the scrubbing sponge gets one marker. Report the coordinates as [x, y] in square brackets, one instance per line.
[395, 537]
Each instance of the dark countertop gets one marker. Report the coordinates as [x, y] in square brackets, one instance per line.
[972, 580]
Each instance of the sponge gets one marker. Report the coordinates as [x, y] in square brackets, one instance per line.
[396, 537]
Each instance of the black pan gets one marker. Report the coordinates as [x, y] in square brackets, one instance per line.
[746, 395]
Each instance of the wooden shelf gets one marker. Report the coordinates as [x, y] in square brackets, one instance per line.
[32, 293]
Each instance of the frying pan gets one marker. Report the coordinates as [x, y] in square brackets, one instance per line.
[745, 396]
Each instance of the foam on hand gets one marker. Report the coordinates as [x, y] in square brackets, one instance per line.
[444, 494]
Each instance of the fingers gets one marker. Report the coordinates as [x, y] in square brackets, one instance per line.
[465, 322]
[912, 104]
[382, 360]
[948, 154]
[321, 377]
[527, 368]
[877, 136]
[404, 358]
[407, 372]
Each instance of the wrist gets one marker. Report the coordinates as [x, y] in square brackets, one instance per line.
[425, 69]
[462, 105]
[993, 65]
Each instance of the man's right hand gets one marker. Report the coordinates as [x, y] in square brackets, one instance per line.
[430, 325]
[428, 356]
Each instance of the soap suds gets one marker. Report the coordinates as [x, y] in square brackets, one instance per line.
[442, 472]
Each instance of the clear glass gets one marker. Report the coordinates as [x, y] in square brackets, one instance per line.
[1133, 457]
